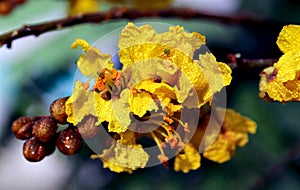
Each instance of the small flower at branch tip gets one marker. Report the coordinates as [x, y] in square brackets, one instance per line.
[282, 81]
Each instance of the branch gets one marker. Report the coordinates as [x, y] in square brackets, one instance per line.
[237, 61]
[124, 13]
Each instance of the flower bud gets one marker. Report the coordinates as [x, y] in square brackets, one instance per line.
[58, 110]
[69, 141]
[44, 129]
[33, 150]
[22, 127]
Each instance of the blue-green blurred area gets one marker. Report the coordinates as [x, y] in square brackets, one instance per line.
[37, 70]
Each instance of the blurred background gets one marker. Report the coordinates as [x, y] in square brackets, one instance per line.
[37, 70]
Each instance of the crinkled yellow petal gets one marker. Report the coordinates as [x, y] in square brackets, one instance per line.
[182, 41]
[115, 111]
[133, 35]
[120, 157]
[288, 66]
[162, 91]
[140, 52]
[115, 168]
[234, 121]
[121, 112]
[103, 108]
[82, 43]
[131, 156]
[141, 102]
[216, 76]
[159, 89]
[183, 90]
[278, 91]
[80, 104]
[108, 159]
[83, 6]
[220, 151]
[93, 60]
[188, 160]
[289, 38]
[234, 133]
[115, 126]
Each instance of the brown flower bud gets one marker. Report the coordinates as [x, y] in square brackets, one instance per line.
[58, 110]
[22, 127]
[69, 141]
[44, 129]
[33, 150]
[87, 127]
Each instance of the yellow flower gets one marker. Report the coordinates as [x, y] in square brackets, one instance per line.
[233, 133]
[83, 6]
[159, 79]
[188, 160]
[282, 81]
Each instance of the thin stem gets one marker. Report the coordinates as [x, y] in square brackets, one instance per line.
[131, 14]
[237, 61]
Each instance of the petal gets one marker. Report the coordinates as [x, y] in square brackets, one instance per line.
[234, 121]
[103, 108]
[189, 160]
[288, 66]
[93, 60]
[133, 35]
[131, 156]
[141, 102]
[80, 104]
[184, 42]
[289, 38]
[220, 151]
[108, 159]
[216, 75]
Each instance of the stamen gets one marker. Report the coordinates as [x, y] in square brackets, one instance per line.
[157, 141]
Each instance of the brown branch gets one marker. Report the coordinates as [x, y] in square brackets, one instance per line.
[124, 13]
[237, 61]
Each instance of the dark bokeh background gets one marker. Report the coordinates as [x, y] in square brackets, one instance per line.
[38, 70]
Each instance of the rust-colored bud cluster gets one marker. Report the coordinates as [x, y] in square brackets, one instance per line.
[42, 135]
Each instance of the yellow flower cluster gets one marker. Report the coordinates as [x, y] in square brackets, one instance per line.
[282, 81]
[147, 97]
